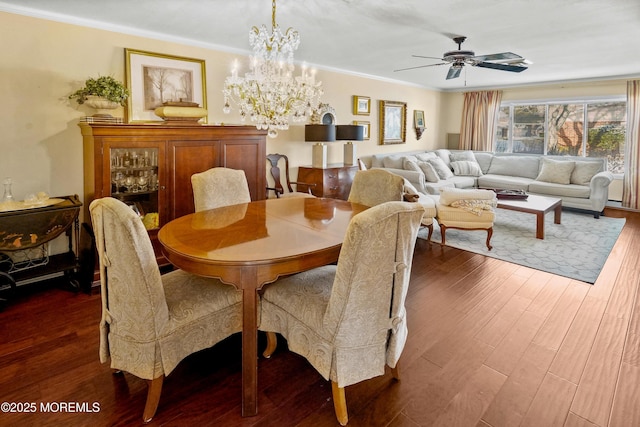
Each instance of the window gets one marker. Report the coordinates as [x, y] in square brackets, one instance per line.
[558, 128]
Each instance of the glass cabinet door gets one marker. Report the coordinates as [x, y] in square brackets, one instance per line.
[134, 180]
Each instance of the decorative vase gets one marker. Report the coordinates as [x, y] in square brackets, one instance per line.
[101, 105]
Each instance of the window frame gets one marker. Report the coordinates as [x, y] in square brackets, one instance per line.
[546, 102]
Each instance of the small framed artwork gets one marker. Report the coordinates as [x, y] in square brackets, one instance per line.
[393, 122]
[361, 105]
[418, 119]
[154, 79]
[367, 128]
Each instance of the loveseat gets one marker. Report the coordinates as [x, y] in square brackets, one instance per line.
[581, 182]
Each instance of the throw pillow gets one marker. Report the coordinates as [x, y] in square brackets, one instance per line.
[460, 156]
[410, 165]
[556, 171]
[466, 168]
[430, 173]
[441, 168]
[392, 162]
[584, 171]
[425, 156]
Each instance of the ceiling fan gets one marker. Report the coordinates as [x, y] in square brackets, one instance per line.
[506, 61]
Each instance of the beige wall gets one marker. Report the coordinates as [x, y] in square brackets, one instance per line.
[44, 61]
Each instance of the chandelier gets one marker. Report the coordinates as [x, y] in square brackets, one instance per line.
[269, 94]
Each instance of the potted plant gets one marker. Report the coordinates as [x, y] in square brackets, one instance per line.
[107, 88]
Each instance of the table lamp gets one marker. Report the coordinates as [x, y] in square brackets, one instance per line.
[319, 134]
[350, 133]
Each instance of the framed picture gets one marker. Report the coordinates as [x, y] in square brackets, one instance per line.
[154, 78]
[367, 128]
[418, 119]
[393, 122]
[361, 105]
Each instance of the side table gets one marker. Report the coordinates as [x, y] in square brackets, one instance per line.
[333, 181]
[24, 235]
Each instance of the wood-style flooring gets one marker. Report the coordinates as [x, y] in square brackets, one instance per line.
[490, 344]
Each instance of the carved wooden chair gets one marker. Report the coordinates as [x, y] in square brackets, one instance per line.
[278, 188]
[218, 187]
[348, 320]
[151, 322]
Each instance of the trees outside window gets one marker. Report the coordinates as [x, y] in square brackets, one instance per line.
[558, 128]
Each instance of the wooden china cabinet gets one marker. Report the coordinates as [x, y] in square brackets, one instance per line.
[149, 166]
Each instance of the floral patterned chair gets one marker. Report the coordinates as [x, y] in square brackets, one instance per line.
[151, 322]
[219, 187]
[348, 320]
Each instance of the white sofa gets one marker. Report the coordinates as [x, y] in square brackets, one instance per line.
[581, 182]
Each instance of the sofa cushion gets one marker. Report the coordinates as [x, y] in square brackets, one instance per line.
[556, 171]
[484, 160]
[393, 162]
[444, 154]
[433, 188]
[458, 156]
[465, 167]
[504, 182]
[430, 174]
[425, 156]
[376, 160]
[584, 171]
[441, 168]
[463, 181]
[560, 190]
[410, 165]
[521, 166]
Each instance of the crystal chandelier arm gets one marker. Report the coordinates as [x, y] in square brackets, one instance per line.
[269, 93]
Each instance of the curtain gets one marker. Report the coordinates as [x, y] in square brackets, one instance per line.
[631, 183]
[479, 114]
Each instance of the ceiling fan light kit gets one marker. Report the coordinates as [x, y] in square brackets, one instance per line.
[505, 61]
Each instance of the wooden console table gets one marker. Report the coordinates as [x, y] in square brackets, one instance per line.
[334, 181]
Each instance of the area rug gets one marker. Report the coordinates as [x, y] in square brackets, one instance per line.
[577, 248]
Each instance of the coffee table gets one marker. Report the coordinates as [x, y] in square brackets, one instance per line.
[538, 205]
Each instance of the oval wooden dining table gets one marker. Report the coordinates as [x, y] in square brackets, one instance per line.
[252, 244]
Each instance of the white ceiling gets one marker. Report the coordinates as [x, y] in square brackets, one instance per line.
[566, 40]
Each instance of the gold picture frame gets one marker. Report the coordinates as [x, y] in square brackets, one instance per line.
[361, 105]
[367, 128]
[393, 122]
[155, 78]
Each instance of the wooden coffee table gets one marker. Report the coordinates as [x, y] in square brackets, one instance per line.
[538, 205]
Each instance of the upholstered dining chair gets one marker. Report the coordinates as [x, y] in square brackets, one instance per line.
[374, 186]
[150, 322]
[218, 187]
[274, 162]
[348, 320]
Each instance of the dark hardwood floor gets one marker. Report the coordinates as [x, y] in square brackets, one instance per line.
[490, 344]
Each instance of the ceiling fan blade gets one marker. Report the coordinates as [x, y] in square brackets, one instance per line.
[454, 72]
[504, 67]
[420, 66]
[497, 57]
[428, 57]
